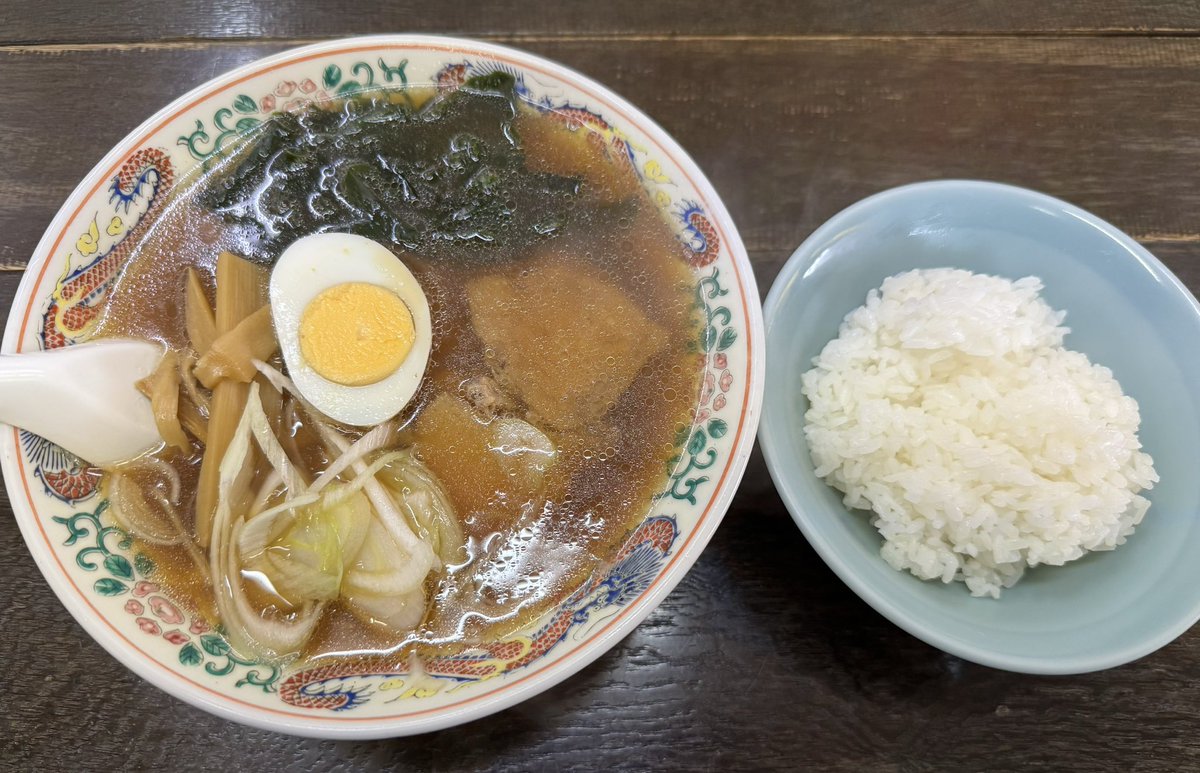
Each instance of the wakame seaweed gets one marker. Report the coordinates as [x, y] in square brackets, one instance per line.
[448, 179]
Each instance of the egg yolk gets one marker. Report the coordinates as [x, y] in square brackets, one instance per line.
[356, 333]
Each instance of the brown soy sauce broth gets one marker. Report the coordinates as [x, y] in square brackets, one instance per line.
[526, 554]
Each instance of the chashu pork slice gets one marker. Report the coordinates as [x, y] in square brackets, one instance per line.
[564, 340]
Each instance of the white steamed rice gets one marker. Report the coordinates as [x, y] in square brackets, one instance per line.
[948, 406]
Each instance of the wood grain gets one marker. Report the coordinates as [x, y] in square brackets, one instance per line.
[130, 21]
[761, 658]
[789, 132]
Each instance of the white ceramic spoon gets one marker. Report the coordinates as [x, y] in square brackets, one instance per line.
[83, 397]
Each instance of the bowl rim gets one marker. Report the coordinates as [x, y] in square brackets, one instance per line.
[532, 683]
[773, 438]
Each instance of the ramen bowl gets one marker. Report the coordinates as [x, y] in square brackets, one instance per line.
[1125, 310]
[115, 591]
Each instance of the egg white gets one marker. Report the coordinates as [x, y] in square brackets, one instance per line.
[313, 264]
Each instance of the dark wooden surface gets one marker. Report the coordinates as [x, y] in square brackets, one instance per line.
[761, 658]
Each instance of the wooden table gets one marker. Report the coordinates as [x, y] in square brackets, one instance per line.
[761, 658]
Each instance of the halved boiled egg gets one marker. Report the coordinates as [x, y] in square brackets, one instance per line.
[353, 326]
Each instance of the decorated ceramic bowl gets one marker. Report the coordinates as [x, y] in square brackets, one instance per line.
[111, 588]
